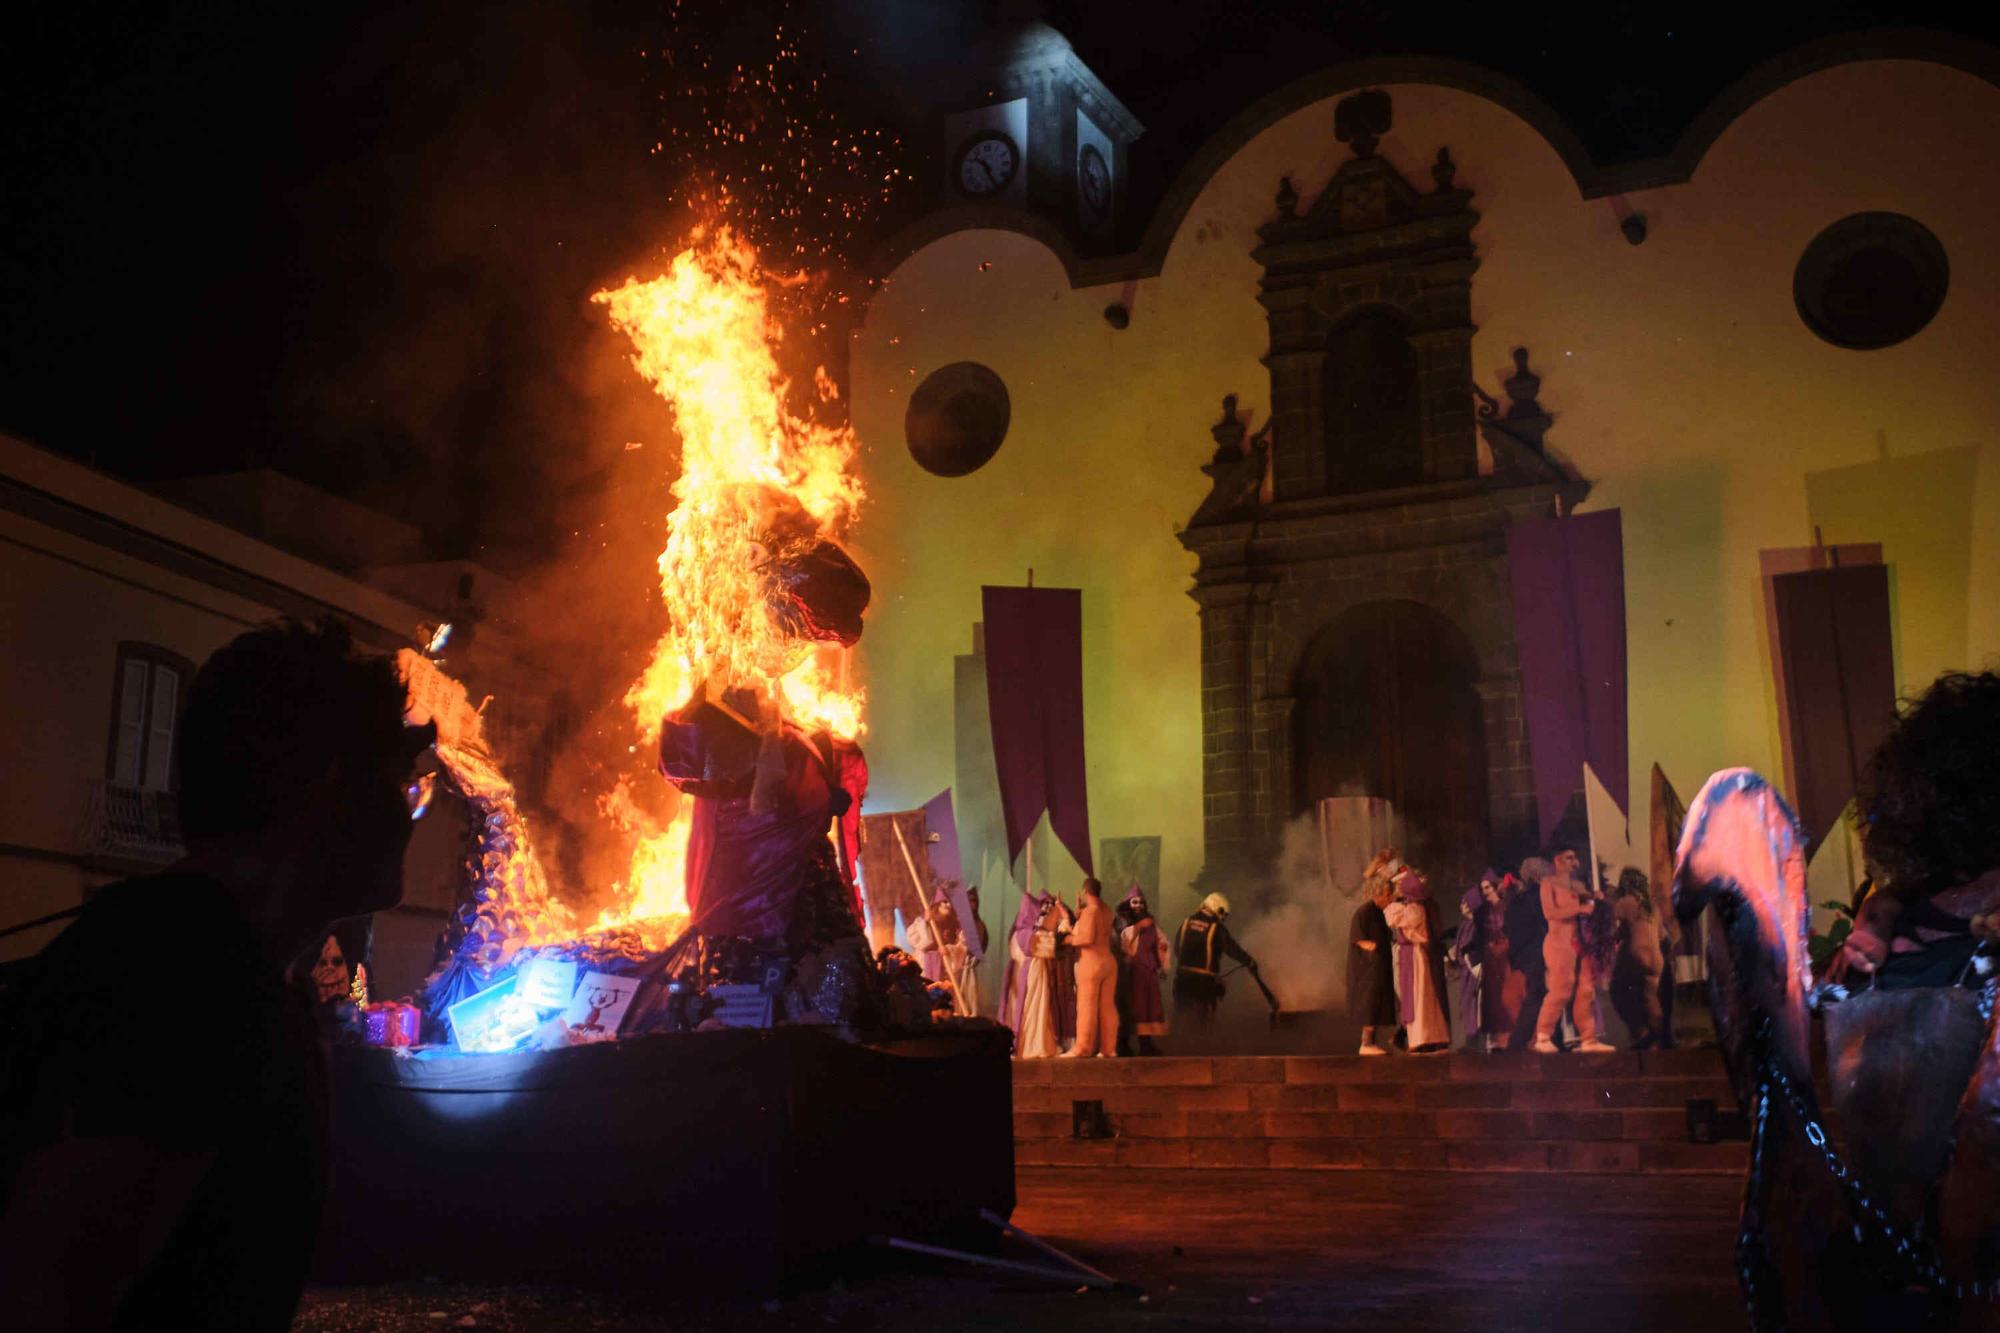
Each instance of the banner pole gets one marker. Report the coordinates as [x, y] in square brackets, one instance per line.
[958, 1005]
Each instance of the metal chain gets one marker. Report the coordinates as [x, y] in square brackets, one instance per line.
[1916, 1252]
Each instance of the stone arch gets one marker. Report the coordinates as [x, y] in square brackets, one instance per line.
[1387, 701]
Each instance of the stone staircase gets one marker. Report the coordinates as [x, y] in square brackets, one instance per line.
[1622, 1112]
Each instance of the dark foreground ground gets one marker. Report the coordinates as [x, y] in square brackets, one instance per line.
[1226, 1249]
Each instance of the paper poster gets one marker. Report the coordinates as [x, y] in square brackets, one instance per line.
[600, 1002]
[495, 1020]
[547, 983]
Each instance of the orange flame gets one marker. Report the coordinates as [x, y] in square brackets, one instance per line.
[703, 335]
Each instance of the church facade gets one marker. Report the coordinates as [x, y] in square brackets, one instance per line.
[1372, 325]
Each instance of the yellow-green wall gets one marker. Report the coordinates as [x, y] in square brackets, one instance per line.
[1682, 380]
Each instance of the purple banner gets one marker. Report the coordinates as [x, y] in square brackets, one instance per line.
[943, 826]
[1568, 581]
[1034, 695]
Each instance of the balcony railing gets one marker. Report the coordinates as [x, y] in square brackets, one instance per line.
[134, 823]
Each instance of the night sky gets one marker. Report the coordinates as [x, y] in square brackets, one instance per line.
[357, 242]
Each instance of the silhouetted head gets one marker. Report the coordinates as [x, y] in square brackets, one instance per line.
[293, 742]
[1930, 798]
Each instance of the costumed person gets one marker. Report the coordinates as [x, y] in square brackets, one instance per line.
[1572, 972]
[1121, 917]
[1096, 975]
[1371, 979]
[939, 945]
[1014, 981]
[1502, 986]
[333, 978]
[1038, 1036]
[1062, 972]
[954, 954]
[978, 919]
[923, 946]
[1635, 977]
[1203, 943]
[1527, 929]
[1145, 953]
[1462, 964]
[907, 998]
[1420, 985]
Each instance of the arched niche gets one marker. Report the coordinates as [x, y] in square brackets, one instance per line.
[1371, 405]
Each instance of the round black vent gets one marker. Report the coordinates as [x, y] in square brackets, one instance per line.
[1871, 280]
[957, 418]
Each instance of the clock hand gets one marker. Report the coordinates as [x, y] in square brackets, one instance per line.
[991, 179]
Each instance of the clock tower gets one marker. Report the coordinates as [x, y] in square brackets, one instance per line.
[1042, 134]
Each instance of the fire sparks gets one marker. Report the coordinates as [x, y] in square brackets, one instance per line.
[750, 472]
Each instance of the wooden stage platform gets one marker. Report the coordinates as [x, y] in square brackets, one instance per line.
[1624, 1112]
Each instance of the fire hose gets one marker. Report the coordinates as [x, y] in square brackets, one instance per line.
[1257, 977]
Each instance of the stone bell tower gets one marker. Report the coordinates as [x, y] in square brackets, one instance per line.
[1357, 628]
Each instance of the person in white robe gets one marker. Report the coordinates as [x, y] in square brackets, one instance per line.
[1419, 981]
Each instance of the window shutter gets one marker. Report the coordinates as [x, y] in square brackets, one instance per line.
[131, 724]
[160, 727]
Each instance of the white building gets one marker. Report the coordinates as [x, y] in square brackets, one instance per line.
[111, 597]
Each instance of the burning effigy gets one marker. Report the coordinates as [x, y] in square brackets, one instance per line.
[742, 907]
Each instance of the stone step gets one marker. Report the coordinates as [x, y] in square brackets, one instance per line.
[1648, 1124]
[1211, 1071]
[1398, 1098]
[1362, 1153]
[1622, 1111]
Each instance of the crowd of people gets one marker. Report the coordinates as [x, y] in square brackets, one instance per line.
[1086, 981]
[1536, 955]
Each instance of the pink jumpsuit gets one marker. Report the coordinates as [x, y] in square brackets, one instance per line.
[1569, 976]
[1096, 980]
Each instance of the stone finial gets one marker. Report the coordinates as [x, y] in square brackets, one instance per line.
[1516, 436]
[1522, 386]
[1444, 171]
[1361, 120]
[1288, 198]
[1228, 433]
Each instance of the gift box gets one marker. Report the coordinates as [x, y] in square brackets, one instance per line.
[390, 1023]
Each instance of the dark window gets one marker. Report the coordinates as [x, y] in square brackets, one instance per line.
[957, 418]
[1871, 280]
[148, 691]
[1374, 417]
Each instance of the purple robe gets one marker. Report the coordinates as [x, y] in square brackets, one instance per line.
[1021, 938]
[1144, 1009]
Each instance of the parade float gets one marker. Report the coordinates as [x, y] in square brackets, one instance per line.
[711, 1078]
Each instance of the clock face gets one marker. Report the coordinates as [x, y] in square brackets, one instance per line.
[1093, 184]
[986, 165]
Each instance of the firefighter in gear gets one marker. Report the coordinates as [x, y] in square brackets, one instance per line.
[1204, 942]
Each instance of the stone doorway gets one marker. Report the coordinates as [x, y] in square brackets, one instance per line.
[1387, 705]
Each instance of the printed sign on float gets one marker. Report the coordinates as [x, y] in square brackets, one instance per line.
[548, 983]
[599, 1005]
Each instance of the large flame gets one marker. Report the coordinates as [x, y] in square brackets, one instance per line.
[703, 336]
